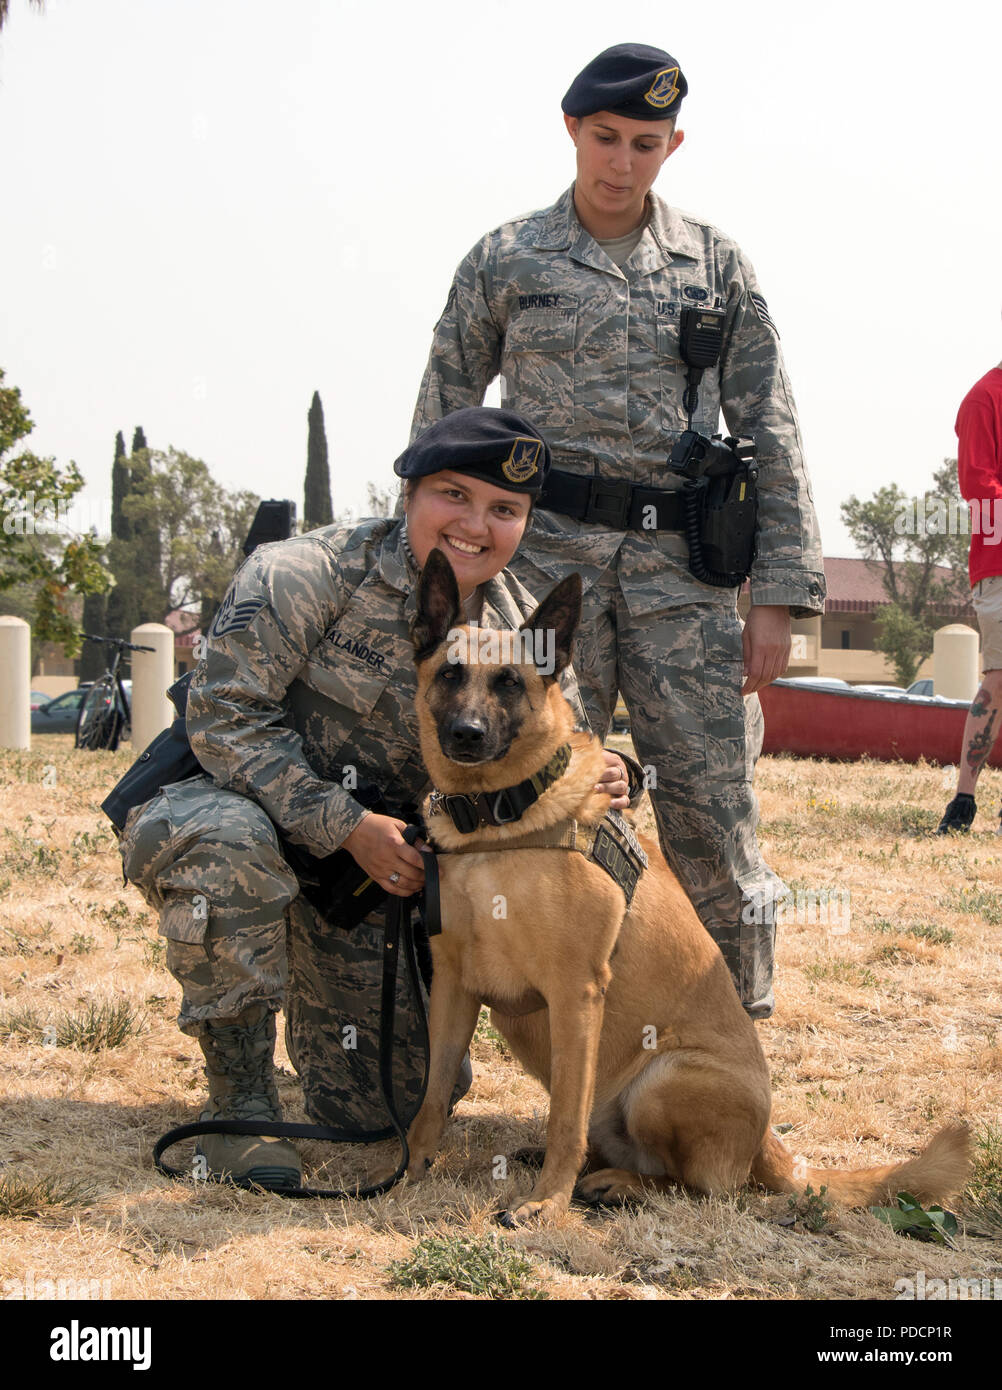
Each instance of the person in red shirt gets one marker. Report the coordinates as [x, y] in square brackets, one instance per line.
[979, 467]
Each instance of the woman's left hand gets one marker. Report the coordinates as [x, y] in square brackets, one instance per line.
[614, 781]
[766, 643]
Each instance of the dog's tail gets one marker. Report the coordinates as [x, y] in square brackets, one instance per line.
[936, 1174]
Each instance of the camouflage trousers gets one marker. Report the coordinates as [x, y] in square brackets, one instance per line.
[679, 670]
[237, 934]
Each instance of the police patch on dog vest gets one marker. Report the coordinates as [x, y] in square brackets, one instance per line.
[617, 850]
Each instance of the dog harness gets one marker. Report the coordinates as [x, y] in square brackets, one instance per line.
[611, 844]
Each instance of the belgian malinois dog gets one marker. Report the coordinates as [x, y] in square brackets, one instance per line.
[579, 986]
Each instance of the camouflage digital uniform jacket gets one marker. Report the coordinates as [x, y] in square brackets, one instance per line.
[590, 354]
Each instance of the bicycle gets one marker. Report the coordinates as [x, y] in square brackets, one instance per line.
[105, 711]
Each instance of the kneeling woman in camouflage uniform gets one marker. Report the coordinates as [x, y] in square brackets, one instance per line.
[302, 708]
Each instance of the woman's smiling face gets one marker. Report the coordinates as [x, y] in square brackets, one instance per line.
[477, 525]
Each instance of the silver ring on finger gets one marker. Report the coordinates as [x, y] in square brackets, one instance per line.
[394, 878]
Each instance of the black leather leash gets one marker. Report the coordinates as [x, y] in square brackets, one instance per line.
[398, 939]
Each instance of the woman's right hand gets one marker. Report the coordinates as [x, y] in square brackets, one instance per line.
[378, 846]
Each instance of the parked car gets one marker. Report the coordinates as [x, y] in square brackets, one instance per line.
[59, 716]
[922, 687]
[39, 698]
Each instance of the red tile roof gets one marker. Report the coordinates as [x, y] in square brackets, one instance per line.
[184, 624]
[857, 586]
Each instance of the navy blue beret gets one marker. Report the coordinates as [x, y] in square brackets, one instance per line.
[645, 84]
[497, 446]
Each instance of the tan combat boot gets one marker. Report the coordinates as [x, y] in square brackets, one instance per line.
[239, 1065]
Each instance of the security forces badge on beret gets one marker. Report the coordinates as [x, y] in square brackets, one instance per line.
[495, 445]
[664, 88]
[523, 461]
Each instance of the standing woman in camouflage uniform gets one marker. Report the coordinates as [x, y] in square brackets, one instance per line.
[305, 696]
[577, 306]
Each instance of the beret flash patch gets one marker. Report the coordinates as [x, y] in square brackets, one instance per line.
[522, 463]
[664, 88]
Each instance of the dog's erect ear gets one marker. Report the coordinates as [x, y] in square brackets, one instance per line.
[559, 614]
[438, 605]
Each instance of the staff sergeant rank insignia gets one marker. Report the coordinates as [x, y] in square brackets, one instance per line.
[235, 617]
[664, 88]
[522, 463]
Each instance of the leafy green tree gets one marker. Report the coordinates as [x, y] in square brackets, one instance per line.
[197, 529]
[317, 510]
[914, 538]
[905, 640]
[40, 556]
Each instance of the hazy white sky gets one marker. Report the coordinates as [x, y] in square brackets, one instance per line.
[213, 207]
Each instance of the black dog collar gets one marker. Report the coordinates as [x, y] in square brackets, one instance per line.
[469, 812]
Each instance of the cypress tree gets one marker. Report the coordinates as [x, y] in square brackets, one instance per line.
[120, 529]
[317, 510]
[135, 549]
[148, 560]
[114, 615]
[96, 606]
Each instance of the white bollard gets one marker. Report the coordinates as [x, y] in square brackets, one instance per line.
[15, 683]
[152, 673]
[955, 665]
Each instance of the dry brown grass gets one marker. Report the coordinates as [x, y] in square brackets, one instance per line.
[881, 1034]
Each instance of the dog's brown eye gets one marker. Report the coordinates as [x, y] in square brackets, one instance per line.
[509, 680]
[450, 673]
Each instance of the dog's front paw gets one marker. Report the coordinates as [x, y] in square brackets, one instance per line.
[537, 1212]
[609, 1185]
[418, 1169]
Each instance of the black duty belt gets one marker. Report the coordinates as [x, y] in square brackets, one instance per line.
[616, 503]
